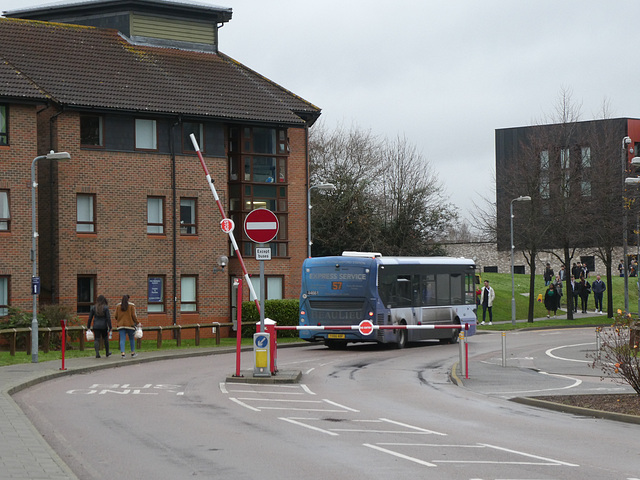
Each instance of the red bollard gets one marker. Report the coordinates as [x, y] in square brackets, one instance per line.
[63, 324]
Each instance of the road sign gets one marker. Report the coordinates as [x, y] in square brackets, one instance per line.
[365, 327]
[261, 225]
[227, 225]
[35, 285]
[263, 253]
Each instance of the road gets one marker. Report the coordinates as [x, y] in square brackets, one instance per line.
[365, 412]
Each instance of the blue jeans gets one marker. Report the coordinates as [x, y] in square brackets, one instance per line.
[129, 332]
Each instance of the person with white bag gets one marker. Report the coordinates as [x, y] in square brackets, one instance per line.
[126, 321]
[100, 317]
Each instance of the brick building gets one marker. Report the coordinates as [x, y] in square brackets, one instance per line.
[120, 85]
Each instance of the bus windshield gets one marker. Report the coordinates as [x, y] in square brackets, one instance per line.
[344, 281]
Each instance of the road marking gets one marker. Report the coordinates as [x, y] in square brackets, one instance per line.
[414, 427]
[400, 455]
[249, 399]
[295, 422]
[576, 383]
[550, 354]
[554, 462]
[243, 404]
[306, 389]
[341, 406]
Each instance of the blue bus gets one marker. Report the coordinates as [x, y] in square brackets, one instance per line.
[345, 290]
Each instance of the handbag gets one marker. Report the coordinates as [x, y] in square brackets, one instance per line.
[90, 336]
[138, 333]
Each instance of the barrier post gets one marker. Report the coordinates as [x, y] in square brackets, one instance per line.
[238, 285]
[463, 367]
[504, 349]
[63, 324]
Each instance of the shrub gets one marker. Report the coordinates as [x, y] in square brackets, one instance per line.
[617, 355]
[283, 312]
[49, 316]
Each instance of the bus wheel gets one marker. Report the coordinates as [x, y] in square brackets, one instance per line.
[453, 338]
[401, 341]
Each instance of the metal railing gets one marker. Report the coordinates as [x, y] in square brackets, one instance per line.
[46, 333]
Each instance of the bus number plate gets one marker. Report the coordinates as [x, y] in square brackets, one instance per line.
[335, 335]
[336, 285]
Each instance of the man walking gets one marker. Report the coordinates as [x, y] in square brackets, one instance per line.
[598, 287]
[486, 300]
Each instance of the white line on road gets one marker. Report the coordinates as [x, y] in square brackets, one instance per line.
[556, 462]
[550, 354]
[413, 427]
[576, 382]
[244, 404]
[341, 406]
[399, 455]
[321, 430]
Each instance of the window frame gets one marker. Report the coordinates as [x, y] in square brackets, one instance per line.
[4, 307]
[100, 143]
[92, 221]
[189, 303]
[153, 131]
[6, 220]
[194, 225]
[4, 131]
[268, 279]
[162, 211]
[84, 306]
[162, 302]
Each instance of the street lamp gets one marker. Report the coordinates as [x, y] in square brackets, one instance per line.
[319, 186]
[35, 280]
[513, 283]
[626, 141]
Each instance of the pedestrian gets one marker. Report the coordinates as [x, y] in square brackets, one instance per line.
[585, 271]
[575, 292]
[101, 318]
[584, 291]
[621, 268]
[486, 300]
[562, 273]
[576, 270]
[558, 286]
[127, 321]
[548, 275]
[598, 287]
[551, 300]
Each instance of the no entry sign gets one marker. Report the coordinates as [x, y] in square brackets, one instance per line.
[261, 225]
[365, 327]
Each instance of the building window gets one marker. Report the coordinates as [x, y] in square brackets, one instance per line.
[4, 296]
[188, 216]
[585, 154]
[188, 293]
[566, 175]
[198, 131]
[146, 134]
[91, 128]
[5, 213]
[585, 188]
[86, 293]
[544, 160]
[155, 215]
[155, 294]
[273, 290]
[85, 213]
[4, 125]
[258, 178]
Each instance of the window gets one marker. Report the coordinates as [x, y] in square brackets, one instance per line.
[155, 294]
[5, 214]
[273, 290]
[155, 215]
[586, 156]
[146, 134]
[4, 296]
[91, 130]
[188, 216]
[4, 125]
[188, 293]
[198, 131]
[85, 213]
[544, 160]
[86, 293]
[566, 175]
[585, 188]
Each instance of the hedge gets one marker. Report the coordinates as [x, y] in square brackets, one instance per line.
[283, 312]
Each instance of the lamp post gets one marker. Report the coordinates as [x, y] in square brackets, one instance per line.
[35, 280]
[626, 141]
[513, 283]
[319, 186]
[635, 163]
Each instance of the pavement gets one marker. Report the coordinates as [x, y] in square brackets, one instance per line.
[25, 455]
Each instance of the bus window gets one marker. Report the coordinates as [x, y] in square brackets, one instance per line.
[443, 288]
[470, 297]
[415, 291]
[456, 288]
[403, 291]
[428, 289]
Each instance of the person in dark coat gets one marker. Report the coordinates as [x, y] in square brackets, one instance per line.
[551, 300]
[100, 317]
[584, 291]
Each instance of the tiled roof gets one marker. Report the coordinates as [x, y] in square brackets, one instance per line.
[86, 67]
[14, 84]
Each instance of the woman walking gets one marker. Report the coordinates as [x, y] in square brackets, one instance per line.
[551, 300]
[101, 318]
[127, 321]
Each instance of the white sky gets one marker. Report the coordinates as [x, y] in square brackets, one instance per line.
[444, 74]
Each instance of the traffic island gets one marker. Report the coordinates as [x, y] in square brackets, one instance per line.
[284, 376]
